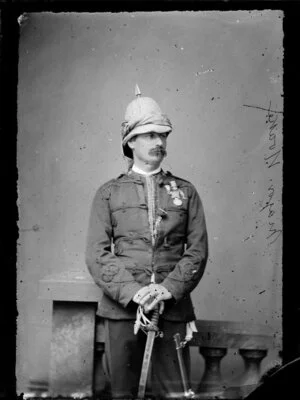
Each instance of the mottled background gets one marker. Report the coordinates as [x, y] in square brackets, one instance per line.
[77, 74]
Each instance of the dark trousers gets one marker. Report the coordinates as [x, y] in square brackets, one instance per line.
[124, 352]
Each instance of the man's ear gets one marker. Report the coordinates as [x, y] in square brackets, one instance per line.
[131, 143]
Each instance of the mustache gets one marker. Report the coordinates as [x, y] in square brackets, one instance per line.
[157, 149]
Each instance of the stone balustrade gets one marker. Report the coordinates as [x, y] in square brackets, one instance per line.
[77, 366]
[214, 339]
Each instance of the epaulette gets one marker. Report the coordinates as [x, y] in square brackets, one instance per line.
[112, 181]
[105, 188]
[107, 184]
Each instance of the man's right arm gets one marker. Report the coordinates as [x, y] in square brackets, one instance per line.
[107, 269]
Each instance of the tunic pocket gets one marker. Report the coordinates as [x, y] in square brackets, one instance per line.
[140, 274]
[163, 271]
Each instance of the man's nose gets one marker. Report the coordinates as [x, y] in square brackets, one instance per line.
[159, 141]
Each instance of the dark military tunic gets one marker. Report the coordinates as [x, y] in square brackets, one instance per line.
[121, 255]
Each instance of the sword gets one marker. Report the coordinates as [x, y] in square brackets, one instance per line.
[152, 333]
[188, 393]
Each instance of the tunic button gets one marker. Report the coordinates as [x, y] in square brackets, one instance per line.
[166, 244]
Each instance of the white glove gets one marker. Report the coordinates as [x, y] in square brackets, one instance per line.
[157, 294]
[140, 294]
[150, 296]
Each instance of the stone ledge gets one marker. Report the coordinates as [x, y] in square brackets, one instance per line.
[232, 334]
[76, 285]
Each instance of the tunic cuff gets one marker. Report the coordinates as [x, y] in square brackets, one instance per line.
[176, 294]
[127, 293]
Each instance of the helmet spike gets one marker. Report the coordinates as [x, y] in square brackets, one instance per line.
[137, 91]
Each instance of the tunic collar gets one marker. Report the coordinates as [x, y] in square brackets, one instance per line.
[161, 177]
[141, 172]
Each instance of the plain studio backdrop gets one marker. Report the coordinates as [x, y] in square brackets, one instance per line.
[216, 75]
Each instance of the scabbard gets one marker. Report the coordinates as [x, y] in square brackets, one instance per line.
[188, 393]
[147, 355]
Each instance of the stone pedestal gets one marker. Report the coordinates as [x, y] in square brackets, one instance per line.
[74, 297]
[72, 349]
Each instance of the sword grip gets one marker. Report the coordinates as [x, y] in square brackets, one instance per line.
[155, 317]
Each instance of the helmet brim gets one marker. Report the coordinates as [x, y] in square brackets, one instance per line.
[146, 129]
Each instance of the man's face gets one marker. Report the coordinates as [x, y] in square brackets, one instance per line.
[149, 148]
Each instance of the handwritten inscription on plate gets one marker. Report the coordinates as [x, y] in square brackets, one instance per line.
[272, 161]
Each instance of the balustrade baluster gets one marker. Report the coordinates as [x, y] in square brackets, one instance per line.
[248, 380]
[211, 385]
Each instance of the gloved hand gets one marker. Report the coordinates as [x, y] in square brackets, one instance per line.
[140, 294]
[151, 296]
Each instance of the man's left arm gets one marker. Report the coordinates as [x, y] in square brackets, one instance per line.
[189, 270]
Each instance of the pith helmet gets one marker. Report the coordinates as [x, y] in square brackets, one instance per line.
[142, 115]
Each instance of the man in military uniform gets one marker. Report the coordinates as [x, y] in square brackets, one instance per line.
[146, 246]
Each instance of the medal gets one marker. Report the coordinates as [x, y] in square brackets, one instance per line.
[177, 201]
[176, 194]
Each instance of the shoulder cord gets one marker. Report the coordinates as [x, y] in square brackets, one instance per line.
[154, 219]
[151, 205]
